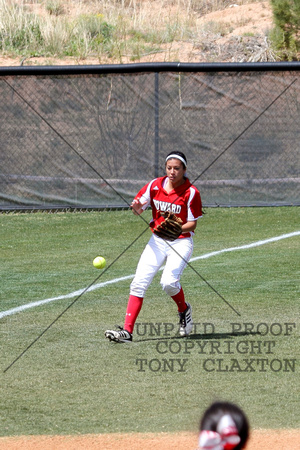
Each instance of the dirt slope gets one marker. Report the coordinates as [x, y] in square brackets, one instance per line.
[236, 34]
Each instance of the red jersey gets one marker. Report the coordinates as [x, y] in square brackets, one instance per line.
[184, 201]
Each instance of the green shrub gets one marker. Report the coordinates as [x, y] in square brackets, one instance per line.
[54, 7]
[91, 34]
[95, 27]
[19, 32]
[285, 35]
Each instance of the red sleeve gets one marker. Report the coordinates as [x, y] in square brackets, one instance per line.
[194, 204]
[144, 194]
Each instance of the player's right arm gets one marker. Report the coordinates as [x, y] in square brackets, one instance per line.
[137, 206]
[142, 200]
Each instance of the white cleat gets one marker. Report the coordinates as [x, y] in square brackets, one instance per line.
[186, 321]
[120, 335]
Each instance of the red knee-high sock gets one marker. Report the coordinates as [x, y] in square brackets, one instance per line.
[133, 308]
[180, 301]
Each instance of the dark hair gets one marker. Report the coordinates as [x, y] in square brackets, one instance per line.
[217, 410]
[182, 155]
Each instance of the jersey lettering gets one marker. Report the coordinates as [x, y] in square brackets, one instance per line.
[167, 206]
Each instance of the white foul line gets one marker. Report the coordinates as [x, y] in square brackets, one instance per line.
[12, 311]
[244, 247]
[18, 309]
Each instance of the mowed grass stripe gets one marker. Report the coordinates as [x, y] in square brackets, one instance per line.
[117, 280]
[73, 381]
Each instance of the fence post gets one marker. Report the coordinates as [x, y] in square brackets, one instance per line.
[156, 125]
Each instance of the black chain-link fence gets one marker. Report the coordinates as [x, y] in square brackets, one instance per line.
[91, 137]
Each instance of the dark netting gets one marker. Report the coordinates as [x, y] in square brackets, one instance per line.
[92, 140]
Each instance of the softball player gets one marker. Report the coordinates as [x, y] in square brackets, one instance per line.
[224, 426]
[174, 193]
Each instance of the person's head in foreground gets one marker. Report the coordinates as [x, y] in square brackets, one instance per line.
[223, 426]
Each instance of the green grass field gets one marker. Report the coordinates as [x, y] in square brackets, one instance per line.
[73, 381]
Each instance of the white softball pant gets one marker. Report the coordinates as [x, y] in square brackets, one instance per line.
[157, 252]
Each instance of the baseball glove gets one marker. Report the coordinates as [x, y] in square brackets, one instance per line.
[170, 229]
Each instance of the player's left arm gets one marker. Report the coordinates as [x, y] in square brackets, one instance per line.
[194, 211]
[189, 226]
